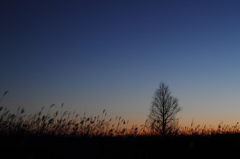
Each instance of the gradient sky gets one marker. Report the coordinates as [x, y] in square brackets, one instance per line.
[95, 55]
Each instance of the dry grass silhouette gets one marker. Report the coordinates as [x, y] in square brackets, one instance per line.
[72, 124]
[70, 135]
[65, 123]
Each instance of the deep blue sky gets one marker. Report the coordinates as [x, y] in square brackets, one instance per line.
[95, 55]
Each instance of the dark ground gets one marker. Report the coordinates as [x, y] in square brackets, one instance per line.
[145, 147]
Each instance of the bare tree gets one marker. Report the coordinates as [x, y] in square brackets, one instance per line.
[163, 110]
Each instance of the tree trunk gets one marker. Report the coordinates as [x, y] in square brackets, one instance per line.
[163, 121]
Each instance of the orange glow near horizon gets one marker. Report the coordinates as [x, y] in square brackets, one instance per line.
[99, 126]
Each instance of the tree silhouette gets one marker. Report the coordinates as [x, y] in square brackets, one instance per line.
[163, 110]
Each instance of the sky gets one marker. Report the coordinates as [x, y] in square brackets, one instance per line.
[103, 54]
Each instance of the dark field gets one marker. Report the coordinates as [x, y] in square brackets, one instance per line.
[215, 146]
[69, 135]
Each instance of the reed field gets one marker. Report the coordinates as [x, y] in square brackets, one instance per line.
[70, 135]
